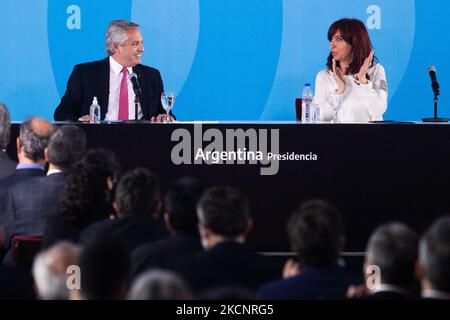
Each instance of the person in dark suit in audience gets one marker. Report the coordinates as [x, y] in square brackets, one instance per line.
[109, 81]
[389, 266]
[224, 222]
[31, 202]
[7, 166]
[31, 143]
[433, 268]
[316, 233]
[181, 222]
[137, 204]
[86, 198]
[104, 265]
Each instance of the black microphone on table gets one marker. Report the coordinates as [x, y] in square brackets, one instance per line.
[135, 82]
[434, 82]
[137, 93]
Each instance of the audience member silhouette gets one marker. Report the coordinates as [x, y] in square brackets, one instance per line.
[7, 166]
[31, 202]
[104, 266]
[389, 266]
[51, 269]
[181, 222]
[87, 197]
[224, 222]
[316, 233]
[137, 204]
[434, 260]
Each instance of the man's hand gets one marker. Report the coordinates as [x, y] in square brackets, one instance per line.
[357, 291]
[85, 118]
[161, 118]
[291, 269]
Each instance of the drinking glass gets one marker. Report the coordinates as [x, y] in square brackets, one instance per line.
[335, 100]
[167, 101]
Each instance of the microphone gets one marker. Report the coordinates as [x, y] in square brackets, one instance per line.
[134, 81]
[434, 82]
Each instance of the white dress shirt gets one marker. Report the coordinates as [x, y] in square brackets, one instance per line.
[360, 102]
[115, 79]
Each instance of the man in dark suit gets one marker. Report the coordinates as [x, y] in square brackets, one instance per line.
[224, 222]
[109, 81]
[31, 202]
[138, 204]
[181, 221]
[315, 232]
[31, 143]
[7, 166]
[33, 138]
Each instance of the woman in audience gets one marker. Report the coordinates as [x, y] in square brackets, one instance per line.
[87, 196]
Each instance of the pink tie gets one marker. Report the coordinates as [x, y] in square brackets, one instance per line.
[123, 98]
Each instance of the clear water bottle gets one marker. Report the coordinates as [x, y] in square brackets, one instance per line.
[307, 104]
[94, 112]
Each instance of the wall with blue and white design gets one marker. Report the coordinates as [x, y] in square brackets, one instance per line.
[224, 59]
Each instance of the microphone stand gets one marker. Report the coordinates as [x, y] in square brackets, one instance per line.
[136, 104]
[435, 119]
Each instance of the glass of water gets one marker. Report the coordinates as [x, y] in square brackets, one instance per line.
[167, 101]
[335, 100]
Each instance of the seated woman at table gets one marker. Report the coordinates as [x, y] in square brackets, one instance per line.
[352, 79]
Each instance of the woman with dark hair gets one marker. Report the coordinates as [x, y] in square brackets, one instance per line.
[87, 196]
[354, 82]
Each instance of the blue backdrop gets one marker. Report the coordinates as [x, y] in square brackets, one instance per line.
[224, 59]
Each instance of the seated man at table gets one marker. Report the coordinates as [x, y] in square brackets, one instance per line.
[109, 80]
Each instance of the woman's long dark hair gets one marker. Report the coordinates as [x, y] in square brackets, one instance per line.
[86, 198]
[354, 32]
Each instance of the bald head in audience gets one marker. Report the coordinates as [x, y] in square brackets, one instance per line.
[33, 139]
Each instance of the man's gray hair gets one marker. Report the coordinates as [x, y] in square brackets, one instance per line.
[158, 284]
[34, 142]
[393, 248]
[117, 33]
[49, 270]
[5, 126]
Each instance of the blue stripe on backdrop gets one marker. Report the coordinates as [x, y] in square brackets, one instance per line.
[224, 59]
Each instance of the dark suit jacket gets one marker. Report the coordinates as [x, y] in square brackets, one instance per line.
[89, 80]
[7, 166]
[329, 282]
[58, 228]
[17, 176]
[30, 203]
[132, 230]
[231, 264]
[170, 253]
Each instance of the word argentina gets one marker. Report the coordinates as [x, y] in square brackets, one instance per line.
[232, 146]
